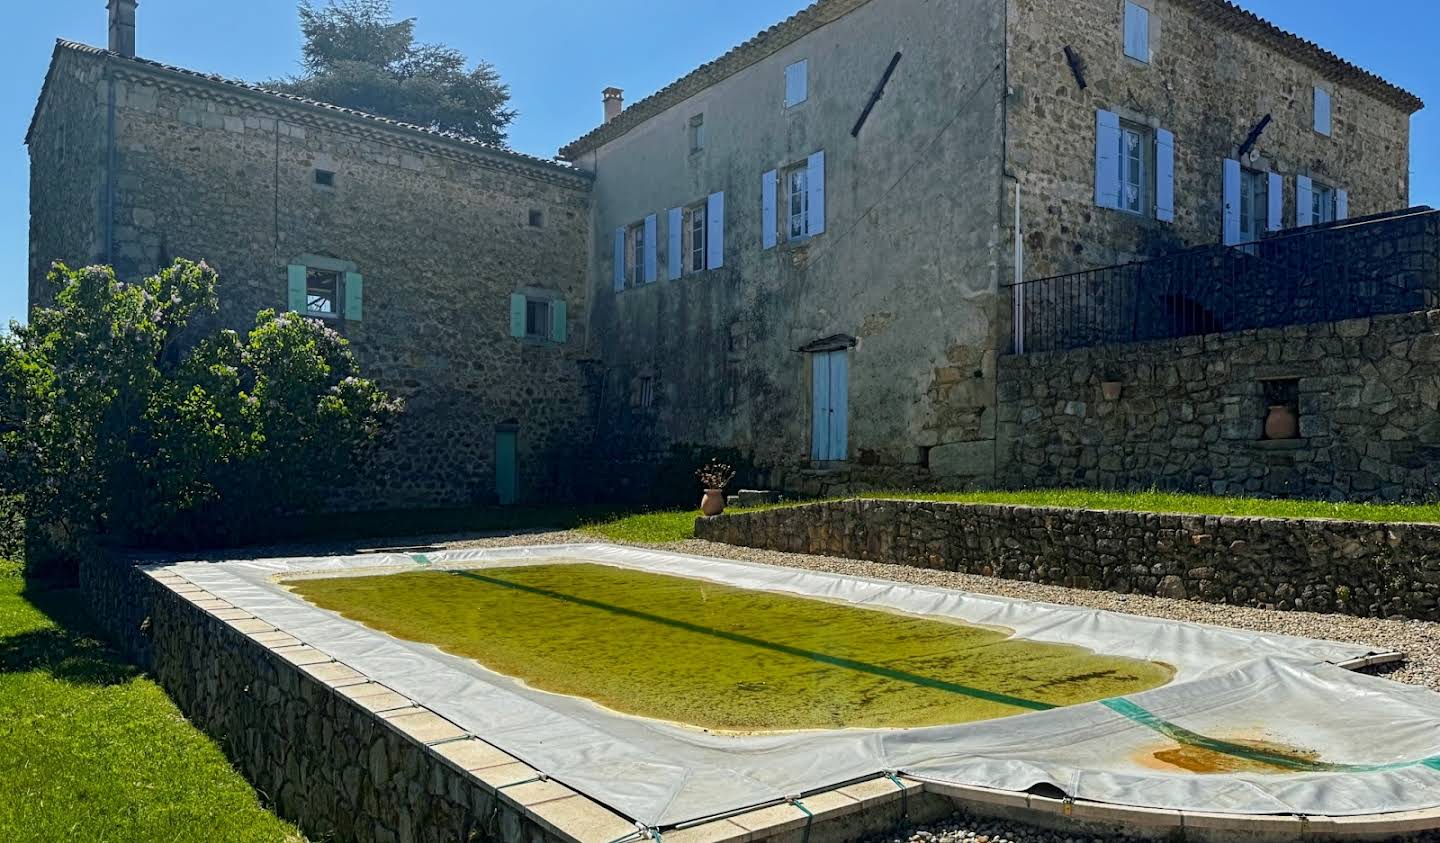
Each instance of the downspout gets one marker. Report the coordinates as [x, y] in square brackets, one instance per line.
[1019, 257]
[110, 163]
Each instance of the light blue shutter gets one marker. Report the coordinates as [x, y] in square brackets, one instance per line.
[1137, 32]
[815, 185]
[1164, 176]
[619, 259]
[296, 275]
[354, 296]
[819, 407]
[1304, 201]
[557, 320]
[715, 231]
[839, 404]
[1342, 205]
[517, 314]
[674, 229]
[1275, 196]
[1231, 200]
[1107, 159]
[1322, 111]
[768, 225]
[796, 83]
[652, 263]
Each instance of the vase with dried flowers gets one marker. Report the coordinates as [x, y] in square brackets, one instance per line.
[714, 477]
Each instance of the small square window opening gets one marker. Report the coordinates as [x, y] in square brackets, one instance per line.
[325, 178]
[537, 319]
[647, 393]
[537, 219]
[322, 292]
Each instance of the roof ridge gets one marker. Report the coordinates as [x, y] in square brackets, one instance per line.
[306, 102]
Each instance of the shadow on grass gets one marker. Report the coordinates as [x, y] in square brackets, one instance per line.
[66, 651]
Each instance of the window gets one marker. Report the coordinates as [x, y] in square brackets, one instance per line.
[538, 323]
[697, 133]
[1137, 32]
[797, 203]
[635, 255]
[647, 393]
[1136, 168]
[325, 178]
[537, 219]
[1254, 205]
[694, 241]
[797, 83]
[1322, 203]
[322, 292]
[1322, 111]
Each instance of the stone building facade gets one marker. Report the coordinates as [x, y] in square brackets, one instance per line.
[420, 242]
[935, 119]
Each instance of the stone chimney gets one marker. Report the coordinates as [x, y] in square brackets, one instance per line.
[614, 103]
[122, 27]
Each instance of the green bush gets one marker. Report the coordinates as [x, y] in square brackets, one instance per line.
[122, 423]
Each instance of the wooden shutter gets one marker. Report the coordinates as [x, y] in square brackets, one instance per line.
[819, 407]
[769, 228]
[517, 314]
[558, 323]
[354, 296]
[652, 261]
[1137, 32]
[675, 252]
[619, 259]
[1342, 204]
[1304, 201]
[1107, 159]
[839, 362]
[715, 231]
[296, 274]
[815, 186]
[1275, 198]
[797, 83]
[1230, 199]
[1164, 176]
[1322, 111]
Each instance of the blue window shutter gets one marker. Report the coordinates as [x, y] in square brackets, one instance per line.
[354, 296]
[619, 259]
[815, 184]
[819, 407]
[652, 264]
[1342, 205]
[1322, 111]
[1230, 197]
[296, 274]
[1275, 196]
[1304, 201]
[517, 314]
[715, 231]
[768, 226]
[839, 404]
[797, 83]
[1164, 176]
[674, 226]
[557, 320]
[1107, 159]
[1137, 32]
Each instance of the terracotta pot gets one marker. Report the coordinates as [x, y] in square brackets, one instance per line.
[1111, 390]
[713, 503]
[1280, 422]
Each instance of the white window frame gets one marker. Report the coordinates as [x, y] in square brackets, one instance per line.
[695, 221]
[797, 83]
[1322, 203]
[1142, 183]
[795, 185]
[336, 298]
[1254, 204]
[547, 324]
[635, 254]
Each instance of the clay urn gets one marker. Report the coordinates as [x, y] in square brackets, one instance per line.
[1280, 422]
[713, 503]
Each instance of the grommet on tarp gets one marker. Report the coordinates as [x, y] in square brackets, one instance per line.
[809, 816]
[1067, 806]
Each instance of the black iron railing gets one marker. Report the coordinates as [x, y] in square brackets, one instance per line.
[1364, 267]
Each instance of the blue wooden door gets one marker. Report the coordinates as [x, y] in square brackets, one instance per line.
[506, 473]
[829, 406]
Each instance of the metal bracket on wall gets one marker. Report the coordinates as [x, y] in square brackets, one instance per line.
[1077, 66]
[1254, 136]
[875, 95]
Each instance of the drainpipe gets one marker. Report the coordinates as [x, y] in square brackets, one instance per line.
[110, 156]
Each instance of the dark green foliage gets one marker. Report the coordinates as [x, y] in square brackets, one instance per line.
[357, 56]
[118, 424]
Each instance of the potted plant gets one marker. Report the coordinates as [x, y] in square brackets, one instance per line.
[714, 477]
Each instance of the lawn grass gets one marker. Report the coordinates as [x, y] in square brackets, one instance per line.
[92, 750]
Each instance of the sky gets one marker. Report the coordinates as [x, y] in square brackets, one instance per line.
[557, 55]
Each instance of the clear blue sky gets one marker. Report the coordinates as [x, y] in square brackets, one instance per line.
[557, 55]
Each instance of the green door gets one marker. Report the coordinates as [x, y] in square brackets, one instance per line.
[506, 476]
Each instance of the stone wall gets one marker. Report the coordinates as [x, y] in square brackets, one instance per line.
[1370, 570]
[440, 230]
[1190, 413]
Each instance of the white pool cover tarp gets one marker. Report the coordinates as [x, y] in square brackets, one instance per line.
[1377, 742]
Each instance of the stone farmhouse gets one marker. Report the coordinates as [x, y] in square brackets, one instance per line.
[884, 243]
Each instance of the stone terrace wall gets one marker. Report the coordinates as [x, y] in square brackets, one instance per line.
[1370, 570]
[1191, 413]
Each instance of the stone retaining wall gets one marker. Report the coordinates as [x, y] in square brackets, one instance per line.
[1370, 570]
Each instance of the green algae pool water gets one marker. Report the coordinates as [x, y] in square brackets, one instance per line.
[726, 658]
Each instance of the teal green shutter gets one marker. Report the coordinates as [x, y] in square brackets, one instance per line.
[354, 296]
[297, 288]
[557, 320]
[517, 315]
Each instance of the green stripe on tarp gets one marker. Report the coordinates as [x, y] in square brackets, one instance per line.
[1184, 736]
[420, 558]
[735, 637]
